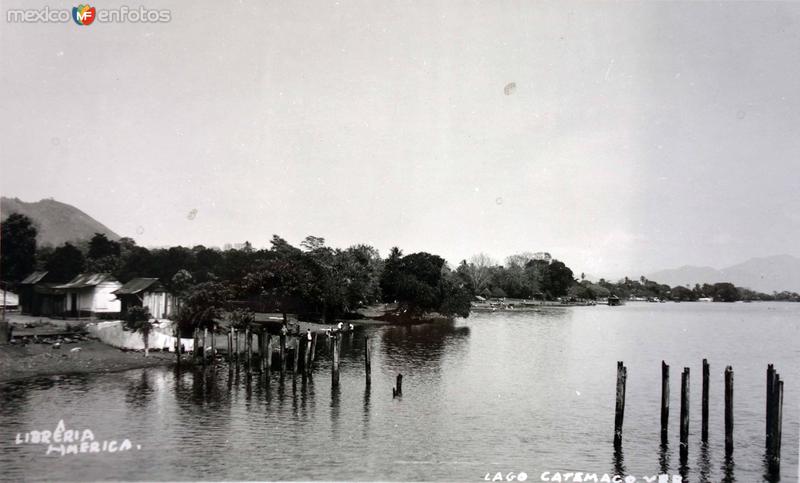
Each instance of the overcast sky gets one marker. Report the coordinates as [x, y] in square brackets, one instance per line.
[639, 136]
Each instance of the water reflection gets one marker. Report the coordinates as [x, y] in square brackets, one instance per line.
[704, 463]
[426, 343]
[663, 458]
[475, 390]
[139, 392]
[727, 470]
[619, 461]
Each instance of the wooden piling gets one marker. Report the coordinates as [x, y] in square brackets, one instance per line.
[704, 402]
[619, 412]
[268, 354]
[205, 344]
[770, 403]
[367, 367]
[774, 419]
[283, 353]
[248, 345]
[397, 390]
[296, 344]
[664, 401]
[307, 356]
[684, 431]
[230, 345]
[178, 345]
[236, 336]
[728, 411]
[213, 345]
[335, 361]
[778, 423]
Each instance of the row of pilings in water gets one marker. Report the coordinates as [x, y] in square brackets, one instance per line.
[296, 353]
[773, 412]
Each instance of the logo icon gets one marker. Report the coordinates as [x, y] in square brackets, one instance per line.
[83, 14]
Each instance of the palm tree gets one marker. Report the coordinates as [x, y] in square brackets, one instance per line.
[138, 320]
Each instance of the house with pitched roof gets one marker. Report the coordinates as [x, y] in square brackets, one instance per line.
[90, 294]
[146, 292]
[37, 295]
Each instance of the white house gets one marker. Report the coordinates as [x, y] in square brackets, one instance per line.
[146, 292]
[90, 294]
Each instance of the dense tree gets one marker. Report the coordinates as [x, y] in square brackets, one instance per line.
[65, 262]
[137, 319]
[421, 283]
[17, 247]
[557, 279]
[100, 247]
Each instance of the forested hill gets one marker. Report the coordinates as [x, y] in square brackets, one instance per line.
[56, 222]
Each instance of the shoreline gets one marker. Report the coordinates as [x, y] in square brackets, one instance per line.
[21, 362]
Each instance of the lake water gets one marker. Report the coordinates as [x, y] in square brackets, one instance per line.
[497, 392]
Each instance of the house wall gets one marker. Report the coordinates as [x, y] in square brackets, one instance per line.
[102, 300]
[97, 299]
[159, 303]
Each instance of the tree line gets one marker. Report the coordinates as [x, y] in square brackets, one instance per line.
[313, 280]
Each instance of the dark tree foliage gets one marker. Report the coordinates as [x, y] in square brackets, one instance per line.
[65, 262]
[421, 283]
[17, 248]
[203, 306]
[101, 247]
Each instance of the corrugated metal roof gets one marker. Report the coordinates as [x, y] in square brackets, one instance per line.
[33, 278]
[87, 280]
[139, 285]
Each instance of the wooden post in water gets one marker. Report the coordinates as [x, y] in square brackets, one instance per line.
[268, 354]
[684, 433]
[775, 419]
[770, 405]
[230, 345]
[367, 367]
[178, 346]
[619, 411]
[313, 347]
[205, 337]
[248, 345]
[728, 411]
[236, 336]
[213, 345]
[283, 353]
[296, 345]
[776, 441]
[335, 361]
[195, 344]
[664, 401]
[397, 391]
[307, 355]
[704, 410]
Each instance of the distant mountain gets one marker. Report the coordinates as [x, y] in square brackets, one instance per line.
[57, 222]
[764, 274]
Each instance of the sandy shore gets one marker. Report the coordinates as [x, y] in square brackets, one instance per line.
[22, 361]
[31, 360]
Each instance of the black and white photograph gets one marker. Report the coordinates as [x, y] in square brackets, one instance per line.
[400, 240]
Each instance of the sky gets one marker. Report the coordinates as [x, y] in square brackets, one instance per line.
[620, 137]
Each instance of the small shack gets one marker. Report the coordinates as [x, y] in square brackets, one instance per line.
[38, 296]
[90, 294]
[145, 292]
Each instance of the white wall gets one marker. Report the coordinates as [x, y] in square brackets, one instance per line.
[105, 301]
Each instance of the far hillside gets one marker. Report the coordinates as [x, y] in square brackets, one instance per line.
[56, 222]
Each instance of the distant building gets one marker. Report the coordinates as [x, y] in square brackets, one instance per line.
[543, 256]
[145, 292]
[9, 300]
[38, 296]
[90, 294]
